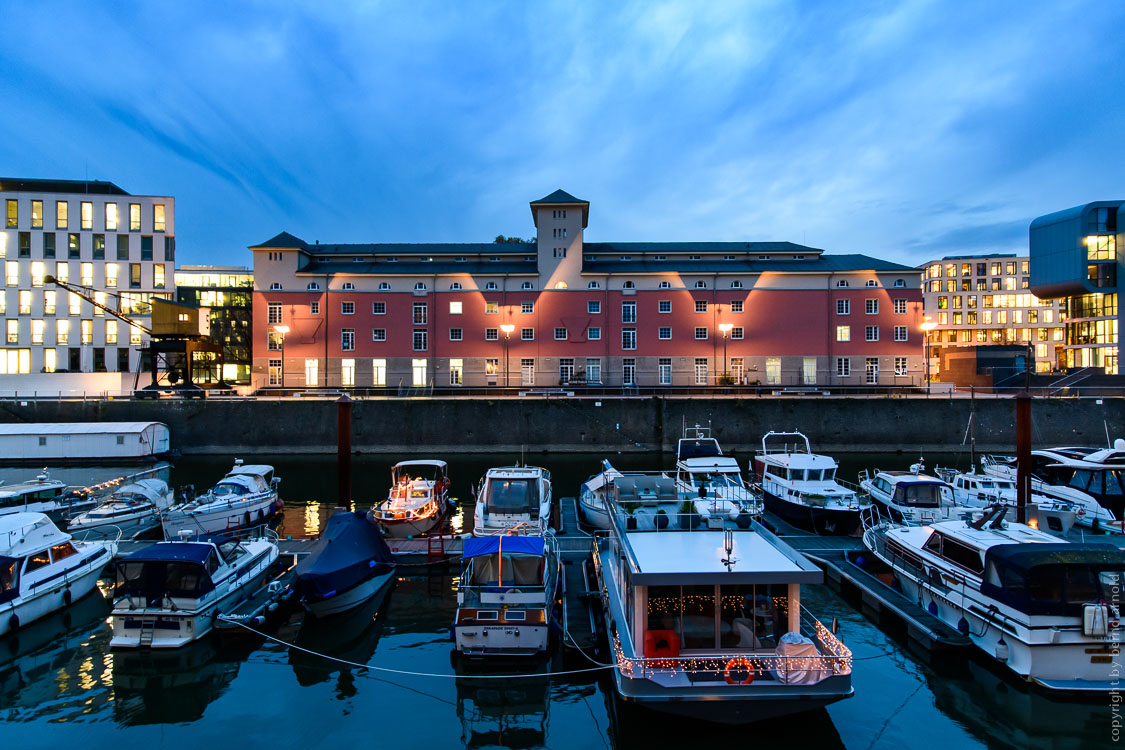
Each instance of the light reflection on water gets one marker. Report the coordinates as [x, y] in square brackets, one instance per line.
[60, 684]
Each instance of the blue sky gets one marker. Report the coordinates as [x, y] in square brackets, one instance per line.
[903, 130]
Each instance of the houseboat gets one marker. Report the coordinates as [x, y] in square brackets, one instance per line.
[706, 621]
[801, 487]
[909, 497]
[418, 500]
[169, 594]
[42, 569]
[245, 497]
[513, 498]
[1043, 608]
[82, 442]
[506, 596]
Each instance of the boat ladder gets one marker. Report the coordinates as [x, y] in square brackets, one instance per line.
[435, 547]
[148, 628]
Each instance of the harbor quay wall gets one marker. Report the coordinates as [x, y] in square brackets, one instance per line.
[599, 426]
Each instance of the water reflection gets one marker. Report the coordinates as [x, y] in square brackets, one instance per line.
[506, 713]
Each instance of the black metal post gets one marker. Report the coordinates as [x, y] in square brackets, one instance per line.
[1023, 455]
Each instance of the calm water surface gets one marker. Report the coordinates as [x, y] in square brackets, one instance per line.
[60, 684]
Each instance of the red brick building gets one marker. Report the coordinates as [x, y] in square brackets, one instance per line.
[563, 310]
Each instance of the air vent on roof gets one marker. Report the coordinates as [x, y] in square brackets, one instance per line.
[392, 259]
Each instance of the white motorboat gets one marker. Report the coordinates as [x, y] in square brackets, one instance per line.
[43, 569]
[44, 495]
[1043, 608]
[513, 499]
[706, 620]
[130, 510]
[418, 500]
[974, 490]
[910, 497]
[1091, 477]
[801, 487]
[714, 479]
[169, 594]
[245, 497]
[593, 497]
[506, 595]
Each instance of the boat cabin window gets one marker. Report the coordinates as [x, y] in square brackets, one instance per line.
[962, 555]
[9, 577]
[748, 616]
[816, 475]
[513, 496]
[699, 448]
[62, 551]
[155, 580]
[36, 561]
[229, 489]
[919, 495]
[797, 475]
[212, 563]
[506, 570]
[1072, 584]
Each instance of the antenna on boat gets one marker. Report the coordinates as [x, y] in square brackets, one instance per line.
[728, 545]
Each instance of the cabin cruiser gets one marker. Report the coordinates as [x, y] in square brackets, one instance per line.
[42, 569]
[1043, 608]
[246, 496]
[706, 620]
[130, 510]
[170, 593]
[974, 490]
[1091, 477]
[349, 564]
[43, 495]
[418, 500]
[593, 497]
[910, 497]
[716, 482]
[801, 487]
[513, 498]
[506, 595]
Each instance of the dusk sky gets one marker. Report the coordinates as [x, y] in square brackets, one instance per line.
[902, 130]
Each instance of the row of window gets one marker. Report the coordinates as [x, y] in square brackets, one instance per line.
[1001, 317]
[870, 306]
[38, 274]
[992, 300]
[982, 269]
[870, 333]
[86, 215]
[996, 335]
[982, 285]
[96, 246]
[421, 286]
[63, 329]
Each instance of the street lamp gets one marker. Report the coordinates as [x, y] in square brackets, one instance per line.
[507, 328]
[281, 331]
[725, 328]
[928, 326]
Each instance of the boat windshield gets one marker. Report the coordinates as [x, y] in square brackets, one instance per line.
[507, 570]
[920, 495]
[513, 496]
[699, 448]
[9, 577]
[154, 580]
[416, 472]
[228, 489]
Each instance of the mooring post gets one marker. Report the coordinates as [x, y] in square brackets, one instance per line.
[1023, 455]
[344, 449]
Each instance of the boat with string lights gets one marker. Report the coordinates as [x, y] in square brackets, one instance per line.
[705, 619]
[418, 500]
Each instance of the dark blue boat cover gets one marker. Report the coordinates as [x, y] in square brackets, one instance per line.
[172, 552]
[350, 550]
[490, 545]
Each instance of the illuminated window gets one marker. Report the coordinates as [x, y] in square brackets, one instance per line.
[37, 214]
[456, 371]
[73, 246]
[134, 275]
[455, 307]
[50, 360]
[62, 332]
[158, 217]
[99, 297]
[86, 274]
[38, 271]
[843, 333]
[134, 217]
[87, 215]
[134, 336]
[491, 308]
[701, 371]
[900, 365]
[37, 328]
[61, 211]
[87, 335]
[48, 302]
[25, 302]
[111, 275]
[158, 276]
[74, 304]
[111, 217]
[379, 372]
[312, 372]
[110, 332]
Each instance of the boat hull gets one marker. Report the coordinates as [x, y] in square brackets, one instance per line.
[501, 639]
[220, 520]
[59, 594]
[403, 528]
[596, 516]
[350, 599]
[129, 527]
[825, 521]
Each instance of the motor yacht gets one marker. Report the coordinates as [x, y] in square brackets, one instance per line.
[170, 593]
[43, 569]
[909, 497]
[513, 498]
[1043, 608]
[984, 490]
[716, 481]
[418, 500]
[44, 495]
[245, 497]
[801, 487]
[593, 497]
[129, 511]
[705, 620]
[506, 595]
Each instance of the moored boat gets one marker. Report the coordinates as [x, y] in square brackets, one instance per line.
[593, 497]
[44, 495]
[43, 569]
[130, 510]
[513, 499]
[974, 490]
[245, 497]
[348, 565]
[418, 500]
[910, 497]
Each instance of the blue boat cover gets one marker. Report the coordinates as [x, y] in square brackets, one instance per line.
[172, 552]
[350, 551]
[490, 545]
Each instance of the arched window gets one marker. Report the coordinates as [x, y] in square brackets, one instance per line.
[665, 285]
[490, 285]
[420, 286]
[628, 285]
[842, 282]
[313, 286]
[872, 282]
[560, 285]
[593, 285]
[455, 285]
[701, 284]
[348, 285]
[900, 282]
[526, 285]
[736, 284]
[275, 286]
[384, 286]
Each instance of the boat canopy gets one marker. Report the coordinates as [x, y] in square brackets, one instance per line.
[698, 448]
[488, 545]
[513, 495]
[919, 494]
[196, 552]
[349, 551]
[179, 569]
[1052, 579]
[505, 561]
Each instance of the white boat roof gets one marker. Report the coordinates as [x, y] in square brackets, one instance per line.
[75, 428]
[153, 488]
[32, 485]
[24, 533]
[982, 539]
[695, 557]
[710, 463]
[894, 477]
[422, 462]
[515, 471]
[798, 460]
[259, 470]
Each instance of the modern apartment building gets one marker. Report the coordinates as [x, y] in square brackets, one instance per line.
[227, 292]
[1075, 260]
[563, 310]
[980, 300]
[119, 247]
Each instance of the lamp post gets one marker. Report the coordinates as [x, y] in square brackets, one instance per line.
[928, 326]
[725, 328]
[507, 328]
[281, 331]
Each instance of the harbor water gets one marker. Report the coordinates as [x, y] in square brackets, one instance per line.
[61, 685]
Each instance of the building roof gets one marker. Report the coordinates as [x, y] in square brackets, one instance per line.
[561, 198]
[985, 256]
[817, 264]
[682, 557]
[92, 187]
[443, 267]
[1070, 213]
[74, 428]
[284, 239]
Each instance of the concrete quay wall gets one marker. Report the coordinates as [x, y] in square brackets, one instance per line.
[605, 425]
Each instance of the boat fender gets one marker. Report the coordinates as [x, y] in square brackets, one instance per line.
[66, 597]
[259, 620]
[1002, 650]
[14, 623]
[735, 663]
[247, 518]
[932, 608]
[963, 626]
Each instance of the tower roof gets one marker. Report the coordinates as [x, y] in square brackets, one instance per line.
[561, 198]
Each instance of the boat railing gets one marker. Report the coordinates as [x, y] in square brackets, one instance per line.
[813, 499]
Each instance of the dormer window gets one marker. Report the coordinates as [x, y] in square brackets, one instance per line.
[526, 285]
[736, 284]
[560, 285]
[842, 283]
[275, 286]
[665, 285]
[701, 284]
[593, 285]
[626, 257]
[763, 257]
[628, 285]
[357, 260]
[872, 282]
[384, 286]
[529, 257]
[490, 285]
[660, 257]
[349, 285]
[313, 286]
[798, 257]
[455, 285]
[420, 286]
[900, 283]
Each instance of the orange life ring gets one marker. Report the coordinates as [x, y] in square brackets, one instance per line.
[736, 662]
